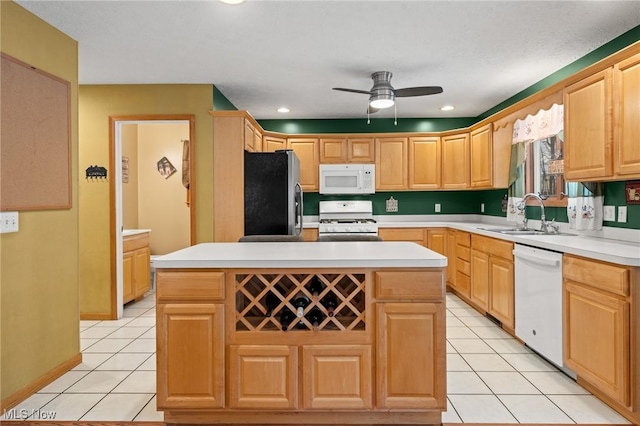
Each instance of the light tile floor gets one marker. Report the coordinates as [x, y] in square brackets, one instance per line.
[491, 377]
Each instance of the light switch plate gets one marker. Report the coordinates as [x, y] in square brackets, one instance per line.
[437, 208]
[8, 222]
[609, 213]
[622, 214]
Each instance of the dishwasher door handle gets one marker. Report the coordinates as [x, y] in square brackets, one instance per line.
[536, 259]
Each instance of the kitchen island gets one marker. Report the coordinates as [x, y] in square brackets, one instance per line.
[301, 333]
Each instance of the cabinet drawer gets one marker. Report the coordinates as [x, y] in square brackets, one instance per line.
[190, 285]
[463, 253]
[402, 234]
[406, 285]
[463, 239]
[492, 246]
[135, 242]
[605, 276]
[463, 283]
[463, 266]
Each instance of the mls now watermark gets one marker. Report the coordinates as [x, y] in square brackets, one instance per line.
[31, 414]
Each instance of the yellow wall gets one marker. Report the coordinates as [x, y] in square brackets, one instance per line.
[39, 264]
[130, 189]
[99, 102]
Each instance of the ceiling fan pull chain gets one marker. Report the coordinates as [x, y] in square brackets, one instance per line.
[395, 114]
[368, 119]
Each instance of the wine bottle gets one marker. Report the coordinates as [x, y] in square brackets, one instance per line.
[286, 316]
[272, 302]
[330, 302]
[315, 286]
[315, 317]
[300, 302]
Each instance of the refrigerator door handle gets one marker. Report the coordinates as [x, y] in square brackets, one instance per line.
[299, 209]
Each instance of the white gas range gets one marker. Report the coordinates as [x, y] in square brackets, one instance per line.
[347, 217]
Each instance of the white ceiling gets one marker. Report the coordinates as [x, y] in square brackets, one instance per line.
[264, 54]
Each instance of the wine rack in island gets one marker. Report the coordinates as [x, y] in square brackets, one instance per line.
[299, 302]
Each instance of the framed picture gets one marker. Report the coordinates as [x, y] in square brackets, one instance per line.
[165, 168]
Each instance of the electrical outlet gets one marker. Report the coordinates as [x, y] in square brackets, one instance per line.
[622, 214]
[609, 213]
[8, 222]
[437, 208]
[482, 208]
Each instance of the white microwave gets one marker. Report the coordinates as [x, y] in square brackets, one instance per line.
[347, 178]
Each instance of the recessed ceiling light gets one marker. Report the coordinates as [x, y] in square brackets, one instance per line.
[232, 1]
[447, 108]
[283, 110]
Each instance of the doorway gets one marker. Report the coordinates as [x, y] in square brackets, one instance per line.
[152, 159]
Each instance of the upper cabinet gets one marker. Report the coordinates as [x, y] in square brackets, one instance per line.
[391, 163]
[346, 150]
[455, 161]
[424, 163]
[272, 143]
[307, 151]
[252, 138]
[588, 128]
[626, 95]
[481, 153]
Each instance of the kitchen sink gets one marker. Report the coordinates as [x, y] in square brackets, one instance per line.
[521, 231]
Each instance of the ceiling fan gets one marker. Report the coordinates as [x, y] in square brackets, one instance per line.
[383, 95]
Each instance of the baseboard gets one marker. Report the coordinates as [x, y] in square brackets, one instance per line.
[90, 316]
[39, 383]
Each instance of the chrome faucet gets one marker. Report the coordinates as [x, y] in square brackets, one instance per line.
[546, 227]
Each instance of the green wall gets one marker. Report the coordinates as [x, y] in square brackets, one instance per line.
[359, 125]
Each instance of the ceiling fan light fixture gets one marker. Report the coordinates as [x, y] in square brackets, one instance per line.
[382, 100]
[232, 1]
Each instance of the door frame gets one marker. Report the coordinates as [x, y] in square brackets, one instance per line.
[114, 232]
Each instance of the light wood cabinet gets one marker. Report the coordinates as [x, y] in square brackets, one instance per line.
[190, 355]
[451, 258]
[424, 163]
[391, 163]
[263, 376]
[481, 156]
[406, 336]
[414, 235]
[437, 240]
[310, 234]
[492, 278]
[588, 150]
[272, 143]
[597, 326]
[626, 81]
[307, 151]
[333, 150]
[361, 150]
[252, 138]
[455, 161]
[462, 269]
[346, 150]
[136, 265]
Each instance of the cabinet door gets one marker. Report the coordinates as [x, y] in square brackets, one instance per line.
[190, 356]
[411, 335]
[596, 339]
[479, 292]
[587, 128]
[333, 150]
[391, 163]
[263, 376]
[272, 144]
[451, 257]
[455, 161]
[360, 150]
[310, 234]
[127, 277]
[502, 294]
[424, 163]
[142, 276]
[626, 80]
[481, 152]
[413, 235]
[437, 240]
[306, 150]
[249, 137]
[337, 377]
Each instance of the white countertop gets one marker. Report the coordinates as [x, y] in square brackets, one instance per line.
[346, 254]
[129, 232]
[621, 251]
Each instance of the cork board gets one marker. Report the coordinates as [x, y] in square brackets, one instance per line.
[35, 148]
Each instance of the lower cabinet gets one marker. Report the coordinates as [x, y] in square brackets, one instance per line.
[407, 336]
[414, 235]
[190, 351]
[136, 265]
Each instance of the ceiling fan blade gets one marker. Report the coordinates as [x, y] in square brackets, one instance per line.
[417, 91]
[364, 92]
[372, 110]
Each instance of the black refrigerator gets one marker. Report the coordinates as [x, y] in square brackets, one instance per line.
[272, 193]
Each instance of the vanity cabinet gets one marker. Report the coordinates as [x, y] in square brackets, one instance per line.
[308, 153]
[136, 266]
[392, 163]
[455, 161]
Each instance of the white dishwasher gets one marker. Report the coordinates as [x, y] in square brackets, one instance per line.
[538, 299]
